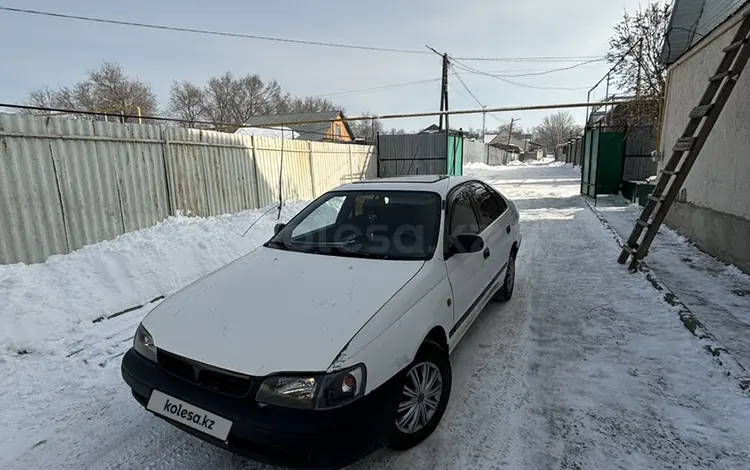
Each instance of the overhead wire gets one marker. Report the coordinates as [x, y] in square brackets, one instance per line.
[466, 87]
[282, 40]
[311, 121]
[467, 68]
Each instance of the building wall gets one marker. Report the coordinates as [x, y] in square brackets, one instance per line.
[345, 135]
[714, 204]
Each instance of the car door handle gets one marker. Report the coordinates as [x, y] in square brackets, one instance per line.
[486, 253]
[507, 229]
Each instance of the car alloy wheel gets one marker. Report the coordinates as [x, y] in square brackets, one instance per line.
[423, 396]
[420, 397]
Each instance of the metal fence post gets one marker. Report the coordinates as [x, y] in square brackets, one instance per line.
[167, 157]
[312, 171]
[255, 172]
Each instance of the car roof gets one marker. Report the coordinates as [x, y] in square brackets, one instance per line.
[440, 184]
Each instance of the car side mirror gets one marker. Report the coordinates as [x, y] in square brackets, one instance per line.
[278, 228]
[466, 243]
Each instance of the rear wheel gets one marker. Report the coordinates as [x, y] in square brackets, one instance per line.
[506, 291]
[425, 393]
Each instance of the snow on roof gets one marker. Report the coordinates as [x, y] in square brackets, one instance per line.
[274, 132]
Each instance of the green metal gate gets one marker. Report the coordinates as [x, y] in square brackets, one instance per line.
[455, 155]
[601, 167]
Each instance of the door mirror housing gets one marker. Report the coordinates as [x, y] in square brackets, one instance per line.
[278, 228]
[466, 243]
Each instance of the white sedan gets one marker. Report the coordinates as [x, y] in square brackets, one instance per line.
[333, 338]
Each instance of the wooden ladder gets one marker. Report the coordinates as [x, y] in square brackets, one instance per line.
[688, 147]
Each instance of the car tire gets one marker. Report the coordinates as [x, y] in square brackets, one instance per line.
[506, 291]
[431, 361]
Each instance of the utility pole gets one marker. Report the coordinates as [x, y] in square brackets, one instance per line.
[444, 93]
[484, 118]
[510, 131]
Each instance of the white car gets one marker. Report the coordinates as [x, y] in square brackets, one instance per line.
[333, 338]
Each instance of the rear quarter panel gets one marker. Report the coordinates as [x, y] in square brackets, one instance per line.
[391, 339]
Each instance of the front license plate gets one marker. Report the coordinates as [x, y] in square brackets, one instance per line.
[189, 415]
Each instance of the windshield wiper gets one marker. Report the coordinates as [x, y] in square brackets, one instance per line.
[277, 244]
[341, 248]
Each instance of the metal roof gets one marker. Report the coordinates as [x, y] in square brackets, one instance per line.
[691, 21]
[314, 131]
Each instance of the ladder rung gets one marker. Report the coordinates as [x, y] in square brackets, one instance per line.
[684, 144]
[629, 249]
[720, 76]
[643, 223]
[734, 46]
[669, 172]
[701, 111]
[651, 197]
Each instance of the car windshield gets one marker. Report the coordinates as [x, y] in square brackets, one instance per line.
[370, 224]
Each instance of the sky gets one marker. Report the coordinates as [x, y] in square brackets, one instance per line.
[43, 51]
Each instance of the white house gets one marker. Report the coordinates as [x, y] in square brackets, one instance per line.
[713, 208]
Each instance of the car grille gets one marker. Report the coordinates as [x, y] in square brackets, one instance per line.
[228, 383]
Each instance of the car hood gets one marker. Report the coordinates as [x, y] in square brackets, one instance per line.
[273, 310]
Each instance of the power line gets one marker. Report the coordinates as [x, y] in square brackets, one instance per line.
[533, 59]
[209, 32]
[498, 77]
[465, 86]
[284, 40]
[460, 93]
[288, 100]
[544, 72]
[315, 121]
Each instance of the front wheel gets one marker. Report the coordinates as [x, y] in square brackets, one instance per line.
[425, 393]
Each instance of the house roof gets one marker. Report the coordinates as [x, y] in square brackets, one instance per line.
[691, 21]
[431, 128]
[313, 131]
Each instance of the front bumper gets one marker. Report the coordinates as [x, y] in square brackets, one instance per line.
[276, 435]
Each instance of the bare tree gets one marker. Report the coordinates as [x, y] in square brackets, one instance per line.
[367, 129]
[638, 40]
[555, 129]
[232, 101]
[394, 131]
[186, 102]
[312, 104]
[504, 128]
[106, 89]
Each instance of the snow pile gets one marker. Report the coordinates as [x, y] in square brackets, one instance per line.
[44, 304]
[477, 166]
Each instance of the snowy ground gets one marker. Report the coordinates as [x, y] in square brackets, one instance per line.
[717, 294]
[586, 368]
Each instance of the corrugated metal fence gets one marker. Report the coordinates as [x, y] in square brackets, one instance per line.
[412, 154]
[66, 183]
[478, 152]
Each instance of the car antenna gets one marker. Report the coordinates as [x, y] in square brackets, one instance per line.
[261, 216]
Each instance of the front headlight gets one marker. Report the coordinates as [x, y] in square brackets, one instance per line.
[314, 392]
[143, 344]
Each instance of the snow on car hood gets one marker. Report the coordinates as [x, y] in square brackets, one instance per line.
[274, 310]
